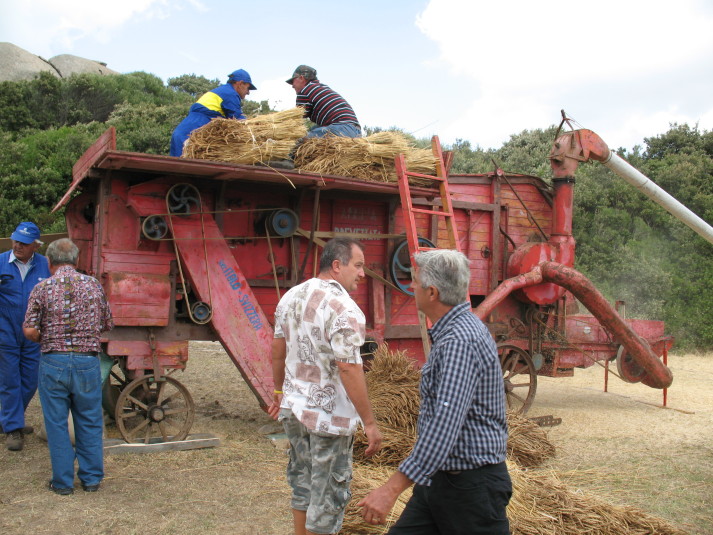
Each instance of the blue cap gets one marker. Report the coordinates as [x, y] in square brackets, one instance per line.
[241, 75]
[26, 232]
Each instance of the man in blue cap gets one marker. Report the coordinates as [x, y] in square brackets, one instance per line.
[20, 269]
[223, 101]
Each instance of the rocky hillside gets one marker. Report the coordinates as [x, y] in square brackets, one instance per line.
[18, 64]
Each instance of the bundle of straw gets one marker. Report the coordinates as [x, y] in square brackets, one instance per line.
[368, 158]
[393, 387]
[366, 478]
[528, 444]
[542, 505]
[255, 140]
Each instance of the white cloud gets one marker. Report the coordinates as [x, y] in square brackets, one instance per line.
[529, 59]
[279, 95]
[60, 24]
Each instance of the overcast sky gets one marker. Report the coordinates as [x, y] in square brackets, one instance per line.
[469, 69]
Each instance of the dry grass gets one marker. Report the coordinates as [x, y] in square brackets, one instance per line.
[614, 446]
[255, 140]
[368, 158]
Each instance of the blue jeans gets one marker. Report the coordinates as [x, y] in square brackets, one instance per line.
[340, 130]
[72, 382]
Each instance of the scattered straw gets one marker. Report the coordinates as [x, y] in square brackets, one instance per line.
[256, 140]
[542, 505]
[368, 158]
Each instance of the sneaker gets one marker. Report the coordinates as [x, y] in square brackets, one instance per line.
[90, 488]
[15, 440]
[57, 490]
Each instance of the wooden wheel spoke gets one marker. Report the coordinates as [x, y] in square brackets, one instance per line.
[521, 385]
[518, 373]
[169, 399]
[513, 395]
[137, 402]
[162, 428]
[129, 414]
[138, 428]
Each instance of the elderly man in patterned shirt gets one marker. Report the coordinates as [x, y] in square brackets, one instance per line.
[320, 391]
[67, 314]
[462, 485]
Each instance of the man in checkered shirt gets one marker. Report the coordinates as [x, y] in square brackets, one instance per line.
[458, 466]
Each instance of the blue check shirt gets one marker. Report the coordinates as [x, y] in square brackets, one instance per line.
[462, 422]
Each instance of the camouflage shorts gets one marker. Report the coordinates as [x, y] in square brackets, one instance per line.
[320, 473]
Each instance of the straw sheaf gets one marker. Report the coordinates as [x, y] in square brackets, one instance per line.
[365, 479]
[256, 140]
[368, 158]
[542, 505]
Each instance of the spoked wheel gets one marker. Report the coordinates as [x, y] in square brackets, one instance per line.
[154, 409]
[520, 377]
[115, 383]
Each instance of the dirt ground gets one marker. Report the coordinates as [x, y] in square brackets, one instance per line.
[618, 445]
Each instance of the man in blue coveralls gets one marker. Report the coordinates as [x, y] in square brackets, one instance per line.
[20, 269]
[223, 101]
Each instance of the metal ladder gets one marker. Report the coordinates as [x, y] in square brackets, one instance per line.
[409, 212]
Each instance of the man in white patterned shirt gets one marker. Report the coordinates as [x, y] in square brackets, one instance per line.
[462, 485]
[320, 390]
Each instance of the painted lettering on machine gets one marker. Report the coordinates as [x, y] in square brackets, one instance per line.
[246, 303]
[357, 230]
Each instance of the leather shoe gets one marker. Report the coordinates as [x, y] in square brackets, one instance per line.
[15, 440]
[90, 488]
[27, 430]
[57, 490]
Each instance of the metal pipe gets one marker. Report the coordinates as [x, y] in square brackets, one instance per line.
[646, 186]
[658, 375]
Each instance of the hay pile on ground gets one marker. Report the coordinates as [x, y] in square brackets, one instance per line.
[542, 505]
[392, 383]
[528, 444]
[256, 140]
[368, 158]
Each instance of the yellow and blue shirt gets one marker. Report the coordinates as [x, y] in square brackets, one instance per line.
[222, 101]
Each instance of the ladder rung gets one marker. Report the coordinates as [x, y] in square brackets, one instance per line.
[432, 212]
[420, 175]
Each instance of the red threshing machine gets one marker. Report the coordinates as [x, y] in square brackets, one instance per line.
[203, 250]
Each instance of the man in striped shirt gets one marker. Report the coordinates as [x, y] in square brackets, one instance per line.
[326, 108]
[462, 485]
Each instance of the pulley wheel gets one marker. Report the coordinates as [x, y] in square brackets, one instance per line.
[400, 265]
[519, 378]
[184, 199]
[283, 223]
[150, 410]
[154, 227]
[201, 312]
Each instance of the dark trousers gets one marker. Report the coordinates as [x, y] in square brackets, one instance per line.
[465, 503]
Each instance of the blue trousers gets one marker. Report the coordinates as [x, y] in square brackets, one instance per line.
[18, 382]
[339, 130]
[71, 382]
